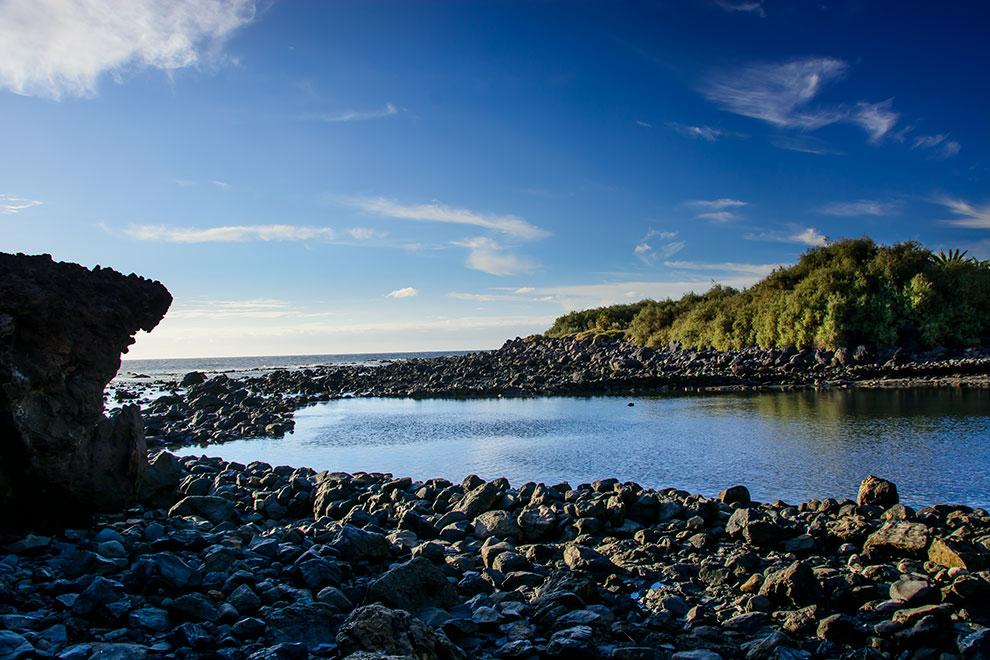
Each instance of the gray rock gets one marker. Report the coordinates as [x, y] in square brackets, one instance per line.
[877, 491]
[211, 507]
[379, 631]
[413, 585]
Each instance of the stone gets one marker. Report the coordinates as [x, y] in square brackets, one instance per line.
[877, 491]
[794, 586]
[952, 553]
[379, 631]
[581, 558]
[839, 629]
[214, 508]
[911, 592]
[95, 598]
[499, 524]
[309, 624]
[15, 646]
[897, 539]
[536, 523]
[480, 499]
[356, 544]
[735, 495]
[192, 378]
[160, 480]
[753, 526]
[413, 585]
[63, 328]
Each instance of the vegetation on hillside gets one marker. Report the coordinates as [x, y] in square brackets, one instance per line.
[848, 293]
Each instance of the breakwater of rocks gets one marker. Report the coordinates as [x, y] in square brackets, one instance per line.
[254, 561]
[201, 410]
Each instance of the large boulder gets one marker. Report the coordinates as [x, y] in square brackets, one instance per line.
[63, 328]
[381, 632]
[412, 586]
[877, 491]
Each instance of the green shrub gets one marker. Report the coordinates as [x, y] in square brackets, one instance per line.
[844, 294]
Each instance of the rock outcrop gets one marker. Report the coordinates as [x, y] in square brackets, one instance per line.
[63, 328]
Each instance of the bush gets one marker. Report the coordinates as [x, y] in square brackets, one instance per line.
[848, 293]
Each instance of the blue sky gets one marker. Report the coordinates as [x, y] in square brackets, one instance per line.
[334, 177]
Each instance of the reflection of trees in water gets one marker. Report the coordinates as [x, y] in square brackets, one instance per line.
[835, 405]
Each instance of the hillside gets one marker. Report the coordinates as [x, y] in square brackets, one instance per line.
[848, 293]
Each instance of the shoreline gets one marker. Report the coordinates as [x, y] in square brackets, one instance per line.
[186, 413]
[245, 561]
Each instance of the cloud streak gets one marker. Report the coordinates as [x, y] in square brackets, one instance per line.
[54, 49]
[229, 234]
[716, 210]
[966, 214]
[388, 110]
[511, 225]
[11, 204]
[487, 255]
[860, 207]
[939, 145]
[405, 292]
[799, 235]
[782, 94]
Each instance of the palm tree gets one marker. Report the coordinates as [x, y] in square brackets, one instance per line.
[951, 258]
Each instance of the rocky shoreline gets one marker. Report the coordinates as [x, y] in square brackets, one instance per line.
[254, 561]
[198, 410]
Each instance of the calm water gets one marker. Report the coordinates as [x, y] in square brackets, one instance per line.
[934, 444]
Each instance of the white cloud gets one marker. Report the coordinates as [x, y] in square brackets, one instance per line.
[779, 93]
[745, 6]
[706, 133]
[877, 119]
[782, 95]
[800, 235]
[760, 270]
[57, 48]
[806, 144]
[646, 253]
[644, 124]
[228, 234]
[10, 204]
[860, 207]
[261, 308]
[365, 233]
[940, 145]
[405, 292]
[387, 110]
[511, 225]
[966, 214]
[222, 185]
[716, 210]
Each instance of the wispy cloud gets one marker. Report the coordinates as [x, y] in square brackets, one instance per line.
[228, 234]
[53, 48]
[940, 145]
[488, 256]
[861, 207]
[759, 270]
[782, 94]
[388, 110]
[716, 210]
[702, 132]
[365, 233]
[644, 124]
[11, 204]
[744, 6]
[405, 292]
[511, 225]
[877, 119]
[778, 93]
[806, 144]
[799, 235]
[649, 254]
[966, 214]
[260, 308]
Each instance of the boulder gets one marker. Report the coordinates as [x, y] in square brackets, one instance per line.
[794, 586]
[734, 495]
[378, 632]
[877, 491]
[897, 539]
[63, 328]
[413, 586]
[952, 553]
[755, 527]
[214, 508]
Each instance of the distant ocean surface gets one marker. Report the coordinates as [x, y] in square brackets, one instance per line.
[169, 368]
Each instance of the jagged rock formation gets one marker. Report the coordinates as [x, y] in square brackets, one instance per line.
[63, 328]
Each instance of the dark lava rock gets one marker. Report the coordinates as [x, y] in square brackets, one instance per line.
[379, 631]
[414, 585]
[62, 330]
[877, 491]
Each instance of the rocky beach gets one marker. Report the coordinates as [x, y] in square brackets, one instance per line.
[113, 548]
[201, 409]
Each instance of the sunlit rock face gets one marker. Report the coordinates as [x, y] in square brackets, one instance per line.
[63, 328]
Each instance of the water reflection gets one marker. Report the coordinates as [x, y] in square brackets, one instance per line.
[792, 446]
